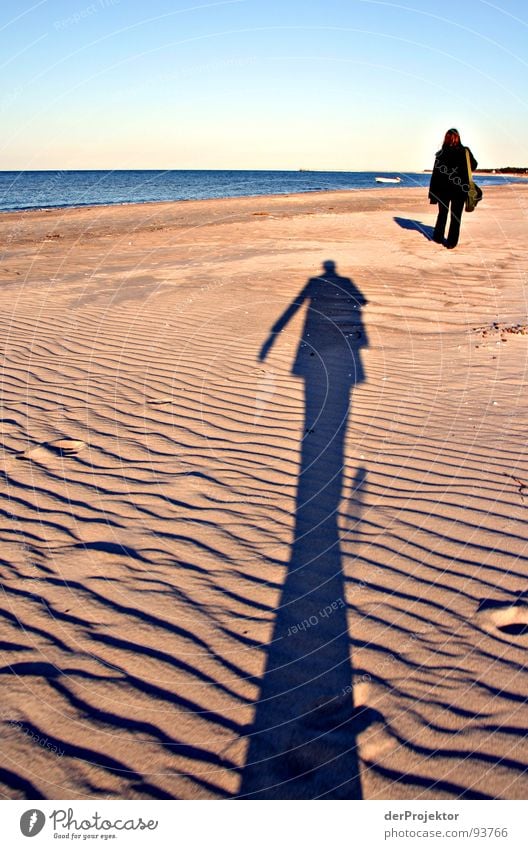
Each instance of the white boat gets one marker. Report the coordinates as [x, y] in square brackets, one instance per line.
[388, 179]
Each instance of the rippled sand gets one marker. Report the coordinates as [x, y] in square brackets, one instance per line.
[185, 616]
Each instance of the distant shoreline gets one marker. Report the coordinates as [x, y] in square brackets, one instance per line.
[110, 219]
[515, 172]
[491, 172]
[76, 190]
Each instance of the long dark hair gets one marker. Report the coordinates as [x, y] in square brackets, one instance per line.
[452, 138]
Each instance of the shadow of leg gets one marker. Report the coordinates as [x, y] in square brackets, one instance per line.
[302, 743]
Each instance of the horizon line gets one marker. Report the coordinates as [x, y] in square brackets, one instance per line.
[241, 170]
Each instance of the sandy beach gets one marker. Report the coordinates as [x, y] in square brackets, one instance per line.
[184, 614]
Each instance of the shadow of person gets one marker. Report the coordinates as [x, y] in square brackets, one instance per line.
[412, 224]
[302, 741]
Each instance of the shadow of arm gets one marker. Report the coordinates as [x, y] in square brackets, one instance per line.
[281, 322]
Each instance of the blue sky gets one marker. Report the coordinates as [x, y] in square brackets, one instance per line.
[331, 84]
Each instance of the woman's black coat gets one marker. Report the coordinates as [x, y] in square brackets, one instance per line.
[449, 180]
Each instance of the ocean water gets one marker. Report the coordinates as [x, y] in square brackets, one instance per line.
[21, 190]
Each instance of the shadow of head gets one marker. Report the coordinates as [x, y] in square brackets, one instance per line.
[329, 266]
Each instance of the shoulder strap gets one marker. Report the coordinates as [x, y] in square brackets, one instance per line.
[470, 175]
[468, 164]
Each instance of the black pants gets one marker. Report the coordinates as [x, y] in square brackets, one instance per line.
[456, 205]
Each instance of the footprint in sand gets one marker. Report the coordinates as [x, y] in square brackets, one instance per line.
[66, 446]
[509, 619]
[57, 448]
[330, 728]
[374, 737]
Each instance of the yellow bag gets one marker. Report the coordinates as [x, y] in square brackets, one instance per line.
[475, 192]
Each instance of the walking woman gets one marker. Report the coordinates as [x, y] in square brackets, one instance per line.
[449, 186]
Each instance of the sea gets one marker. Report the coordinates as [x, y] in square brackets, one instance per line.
[22, 190]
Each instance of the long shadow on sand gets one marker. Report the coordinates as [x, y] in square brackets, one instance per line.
[302, 742]
[411, 224]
